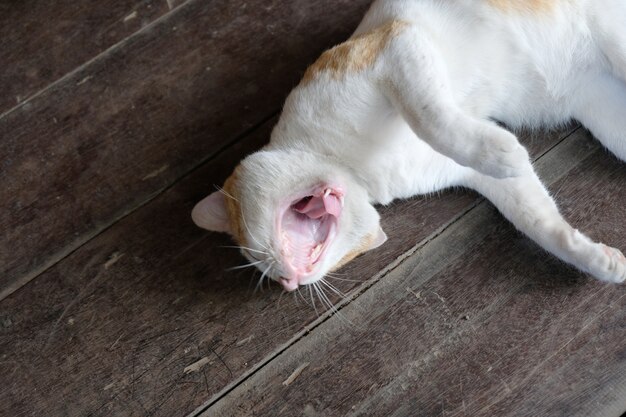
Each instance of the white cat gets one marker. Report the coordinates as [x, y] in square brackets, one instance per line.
[405, 107]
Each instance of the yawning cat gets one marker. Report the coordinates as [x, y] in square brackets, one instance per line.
[406, 107]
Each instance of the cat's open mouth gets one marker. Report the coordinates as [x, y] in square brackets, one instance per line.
[306, 226]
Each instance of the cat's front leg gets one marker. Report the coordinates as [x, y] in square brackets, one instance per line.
[525, 202]
[414, 80]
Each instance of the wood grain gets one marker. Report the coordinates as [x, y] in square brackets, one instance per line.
[111, 329]
[150, 297]
[479, 322]
[41, 41]
[111, 136]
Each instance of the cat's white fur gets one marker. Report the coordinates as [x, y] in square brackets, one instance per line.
[417, 118]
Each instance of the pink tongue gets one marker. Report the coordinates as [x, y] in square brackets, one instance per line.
[316, 207]
[332, 204]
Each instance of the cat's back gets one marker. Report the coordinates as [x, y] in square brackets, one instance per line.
[490, 12]
[522, 53]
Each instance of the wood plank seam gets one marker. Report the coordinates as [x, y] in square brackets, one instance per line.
[528, 377]
[365, 286]
[548, 161]
[101, 55]
[457, 333]
[38, 254]
[70, 249]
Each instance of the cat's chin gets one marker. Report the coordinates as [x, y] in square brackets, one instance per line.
[306, 225]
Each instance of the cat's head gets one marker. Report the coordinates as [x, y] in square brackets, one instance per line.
[295, 215]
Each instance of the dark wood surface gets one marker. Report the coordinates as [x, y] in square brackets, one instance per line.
[140, 116]
[480, 322]
[113, 303]
[151, 296]
[42, 41]
[130, 310]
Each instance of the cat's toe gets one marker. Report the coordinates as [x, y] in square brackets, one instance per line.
[612, 266]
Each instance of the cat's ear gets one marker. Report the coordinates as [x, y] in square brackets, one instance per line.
[381, 237]
[211, 213]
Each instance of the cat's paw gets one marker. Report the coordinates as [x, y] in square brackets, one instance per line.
[500, 155]
[609, 265]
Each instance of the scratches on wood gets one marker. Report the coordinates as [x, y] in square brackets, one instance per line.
[128, 120]
[295, 374]
[115, 256]
[416, 294]
[130, 16]
[84, 80]
[38, 48]
[155, 173]
[244, 341]
[140, 326]
[196, 366]
[534, 323]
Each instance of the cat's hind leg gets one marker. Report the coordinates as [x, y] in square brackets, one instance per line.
[526, 203]
[600, 105]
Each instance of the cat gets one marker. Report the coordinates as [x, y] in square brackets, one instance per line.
[406, 106]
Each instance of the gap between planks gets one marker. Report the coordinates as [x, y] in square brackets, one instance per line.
[551, 165]
[173, 9]
[71, 248]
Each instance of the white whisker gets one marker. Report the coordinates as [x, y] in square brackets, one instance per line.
[223, 191]
[244, 266]
[260, 283]
[250, 233]
[332, 307]
[333, 288]
[343, 279]
[312, 300]
[317, 291]
[337, 274]
[324, 297]
[246, 248]
[280, 297]
[302, 296]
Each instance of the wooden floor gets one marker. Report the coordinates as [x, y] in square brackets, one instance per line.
[118, 115]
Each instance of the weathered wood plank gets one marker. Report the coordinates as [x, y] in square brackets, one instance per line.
[479, 322]
[148, 298]
[40, 41]
[138, 117]
[111, 329]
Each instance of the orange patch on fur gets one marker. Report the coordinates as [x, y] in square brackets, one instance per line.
[355, 54]
[363, 247]
[234, 208]
[534, 6]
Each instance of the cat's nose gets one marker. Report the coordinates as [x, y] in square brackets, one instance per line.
[289, 284]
